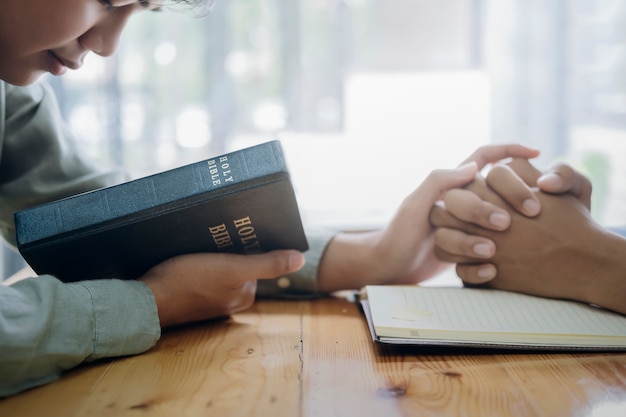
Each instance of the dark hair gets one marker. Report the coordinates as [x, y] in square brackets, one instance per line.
[198, 7]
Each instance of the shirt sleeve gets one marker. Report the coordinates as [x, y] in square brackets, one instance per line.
[47, 326]
[302, 283]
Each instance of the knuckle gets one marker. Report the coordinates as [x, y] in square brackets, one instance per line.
[477, 186]
[466, 247]
[467, 275]
[281, 265]
[440, 237]
[497, 170]
[434, 217]
[437, 175]
[437, 216]
[563, 168]
[517, 163]
[478, 215]
[461, 271]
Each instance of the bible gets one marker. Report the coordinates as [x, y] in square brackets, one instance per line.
[486, 318]
[240, 202]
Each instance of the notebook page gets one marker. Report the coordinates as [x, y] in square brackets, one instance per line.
[482, 310]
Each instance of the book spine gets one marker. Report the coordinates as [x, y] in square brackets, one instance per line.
[221, 174]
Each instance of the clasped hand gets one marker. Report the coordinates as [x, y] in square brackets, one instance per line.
[555, 253]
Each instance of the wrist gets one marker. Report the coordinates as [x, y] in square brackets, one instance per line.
[344, 264]
[165, 309]
[606, 281]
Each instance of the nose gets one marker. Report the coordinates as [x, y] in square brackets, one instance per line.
[103, 37]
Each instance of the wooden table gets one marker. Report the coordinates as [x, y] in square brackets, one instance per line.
[316, 358]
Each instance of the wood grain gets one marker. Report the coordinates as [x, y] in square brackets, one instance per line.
[316, 358]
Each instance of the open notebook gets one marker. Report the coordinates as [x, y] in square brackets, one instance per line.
[446, 316]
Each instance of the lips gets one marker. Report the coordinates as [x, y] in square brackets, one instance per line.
[67, 62]
[57, 65]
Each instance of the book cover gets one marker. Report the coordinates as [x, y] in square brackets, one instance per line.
[486, 318]
[240, 202]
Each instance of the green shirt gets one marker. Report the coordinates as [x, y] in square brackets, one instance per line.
[47, 326]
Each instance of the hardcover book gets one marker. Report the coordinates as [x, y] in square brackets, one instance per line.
[486, 318]
[240, 202]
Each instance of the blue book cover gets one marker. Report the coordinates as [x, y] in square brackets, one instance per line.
[240, 202]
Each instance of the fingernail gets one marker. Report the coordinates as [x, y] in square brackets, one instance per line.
[482, 249]
[486, 272]
[531, 207]
[499, 219]
[296, 261]
[551, 179]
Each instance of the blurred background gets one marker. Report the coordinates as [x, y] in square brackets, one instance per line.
[367, 96]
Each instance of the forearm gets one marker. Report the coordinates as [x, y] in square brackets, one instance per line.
[345, 265]
[47, 327]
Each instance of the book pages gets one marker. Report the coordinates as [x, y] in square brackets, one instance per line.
[449, 313]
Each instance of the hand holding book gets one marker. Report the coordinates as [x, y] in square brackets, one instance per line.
[199, 236]
[208, 285]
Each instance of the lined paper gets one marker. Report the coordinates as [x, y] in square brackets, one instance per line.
[486, 311]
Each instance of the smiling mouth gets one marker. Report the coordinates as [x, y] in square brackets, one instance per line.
[66, 63]
[54, 65]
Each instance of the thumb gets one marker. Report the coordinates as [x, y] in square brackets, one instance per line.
[562, 179]
[416, 207]
[272, 264]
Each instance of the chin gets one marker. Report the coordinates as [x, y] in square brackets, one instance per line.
[22, 80]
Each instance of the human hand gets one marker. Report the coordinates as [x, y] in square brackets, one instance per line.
[403, 252]
[516, 182]
[202, 286]
[554, 254]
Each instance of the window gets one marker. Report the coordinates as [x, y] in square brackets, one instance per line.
[368, 96]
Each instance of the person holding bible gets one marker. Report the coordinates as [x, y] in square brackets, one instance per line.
[562, 253]
[47, 326]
